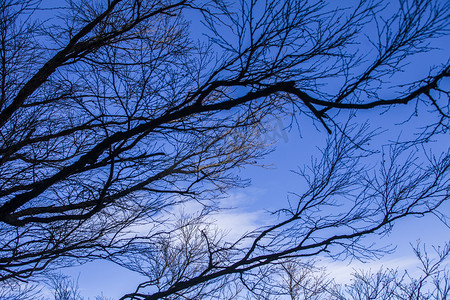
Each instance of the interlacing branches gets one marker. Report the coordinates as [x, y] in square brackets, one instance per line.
[112, 113]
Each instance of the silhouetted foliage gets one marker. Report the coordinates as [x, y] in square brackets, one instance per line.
[112, 113]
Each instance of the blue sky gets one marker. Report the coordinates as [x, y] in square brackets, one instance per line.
[268, 191]
[270, 187]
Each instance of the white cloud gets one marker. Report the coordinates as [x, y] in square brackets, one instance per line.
[341, 271]
[236, 222]
[241, 213]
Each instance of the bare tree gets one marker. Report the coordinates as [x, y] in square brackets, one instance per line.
[113, 112]
[63, 287]
[14, 290]
[300, 280]
[431, 283]
[345, 202]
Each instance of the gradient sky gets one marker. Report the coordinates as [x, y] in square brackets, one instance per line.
[269, 190]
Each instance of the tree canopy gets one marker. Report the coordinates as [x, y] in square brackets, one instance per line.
[114, 112]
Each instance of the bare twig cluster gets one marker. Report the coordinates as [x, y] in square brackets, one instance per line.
[113, 112]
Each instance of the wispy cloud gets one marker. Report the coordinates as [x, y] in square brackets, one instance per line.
[341, 271]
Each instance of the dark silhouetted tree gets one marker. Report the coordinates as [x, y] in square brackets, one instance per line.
[114, 112]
